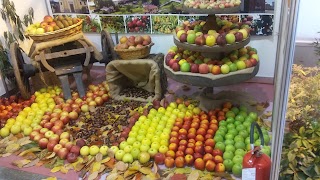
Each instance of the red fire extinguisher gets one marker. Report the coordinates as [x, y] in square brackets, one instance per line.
[255, 163]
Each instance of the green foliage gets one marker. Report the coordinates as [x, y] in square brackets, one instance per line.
[301, 148]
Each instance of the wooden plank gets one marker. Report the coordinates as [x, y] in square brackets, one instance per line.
[64, 53]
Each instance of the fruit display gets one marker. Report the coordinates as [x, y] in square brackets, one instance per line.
[90, 23]
[10, 107]
[164, 24]
[137, 24]
[134, 42]
[113, 24]
[232, 137]
[136, 93]
[188, 61]
[50, 24]
[192, 33]
[205, 4]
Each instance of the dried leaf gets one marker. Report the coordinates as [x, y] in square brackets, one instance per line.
[64, 170]
[102, 168]
[11, 148]
[30, 156]
[52, 155]
[21, 163]
[112, 176]
[93, 176]
[145, 170]
[120, 178]
[96, 166]
[110, 153]
[121, 166]
[50, 178]
[194, 175]
[99, 157]
[40, 163]
[79, 167]
[32, 163]
[56, 169]
[34, 149]
[259, 107]
[6, 154]
[129, 173]
[155, 168]
[23, 141]
[105, 160]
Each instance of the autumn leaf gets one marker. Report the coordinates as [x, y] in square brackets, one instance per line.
[34, 149]
[112, 176]
[145, 170]
[96, 166]
[93, 176]
[52, 155]
[50, 178]
[11, 148]
[32, 163]
[194, 175]
[102, 168]
[129, 173]
[56, 169]
[79, 166]
[99, 157]
[21, 163]
[64, 170]
[121, 166]
[6, 154]
[105, 160]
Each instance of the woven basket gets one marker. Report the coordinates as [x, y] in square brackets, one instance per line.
[59, 34]
[137, 53]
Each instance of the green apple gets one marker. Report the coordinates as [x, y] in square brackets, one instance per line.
[228, 155]
[127, 158]
[225, 69]
[104, 150]
[148, 136]
[163, 149]
[235, 110]
[94, 150]
[146, 141]
[255, 56]
[243, 113]
[131, 140]
[151, 130]
[136, 144]
[191, 37]
[135, 153]
[155, 145]
[220, 145]
[230, 148]
[229, 136]
[240, 145]
[230, 114]
[266, 150]
[241, 65]
[128, 149]
[114, 149]
[230, 38]
[237, 169]
[231, 126]
[237, 159]
[164, 135]
[123, 144]
[144, 157]
[228, 164]
[153, 111]
[229, 142]
[156, 139]
[152, 152]
[240, 152]
[218, 138]
[85, 151]
[240, 127]
[244, 133]
[223, 123]
[119, 155]
[140, 137]
[185, 67]
[233, 67]
[240, 118]
[160, 127]
[144, 147]
[210, 40]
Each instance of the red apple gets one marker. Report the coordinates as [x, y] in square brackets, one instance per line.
[159, 158]
[62, 153]
[51, 145]
[43, 143]
[75, 149]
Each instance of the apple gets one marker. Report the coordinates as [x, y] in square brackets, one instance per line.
[163, 149]
[38, 137]
[144, 157]
[62, 153]
[210, 165]
[169, 162]
[119, 155]
[80, 142]
[225, 69]
[237, 159]
[128, 149]
[237, 169]
[203, 69]
[191, 38]
[114, 149]
[43, 142]
[65, 135]
[144, 147]
[230, 38]
[57, 147]
[127, 158]
[75, 149]
[135, 153]
[219, 167]
[85, 151]
[159, 158]
[210, 40]
[72, 157]
[199, 164]
[179, 162]
[217, 152]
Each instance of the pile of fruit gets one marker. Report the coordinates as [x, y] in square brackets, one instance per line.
[50, 24]
[138, 24]
[206, 4]
[10, 107]
[164, 24]
[134, 42]
[233, 140]
[192, 33]
[189, 61]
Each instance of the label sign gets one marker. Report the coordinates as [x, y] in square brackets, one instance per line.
[249, 174]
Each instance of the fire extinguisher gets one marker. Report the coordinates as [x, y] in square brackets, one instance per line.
[255, 163]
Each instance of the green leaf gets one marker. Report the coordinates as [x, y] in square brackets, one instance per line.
[288, 171]
[306, 171]
[317, 169]
[298, 143]
[291, 156]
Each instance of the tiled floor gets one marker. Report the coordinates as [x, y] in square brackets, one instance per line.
[256, 91]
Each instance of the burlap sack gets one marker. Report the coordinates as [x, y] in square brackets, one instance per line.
[140, 73]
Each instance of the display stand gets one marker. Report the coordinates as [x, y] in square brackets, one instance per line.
[209, 80]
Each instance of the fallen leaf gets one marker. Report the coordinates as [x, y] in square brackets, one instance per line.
[21, 163]
[40, 163]
[145, 170]
[102, 168]
[96, 166]
[50, 178]
[112, 176]
[34, 149]
[64, 170]
[129, 173]
[110, 153]
[6, 154]
[194, 175]
[52, 155]
[93, 175]
[11, 148]
[32, 163]
[56, 169]
[121, 166]
[99, 157]
[120, 178]
[105, 160]
[110, 163]
[155, 168]
[30, 156]
[79, 167]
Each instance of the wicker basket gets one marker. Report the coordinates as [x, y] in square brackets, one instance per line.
[137, 53]
[59, 34]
